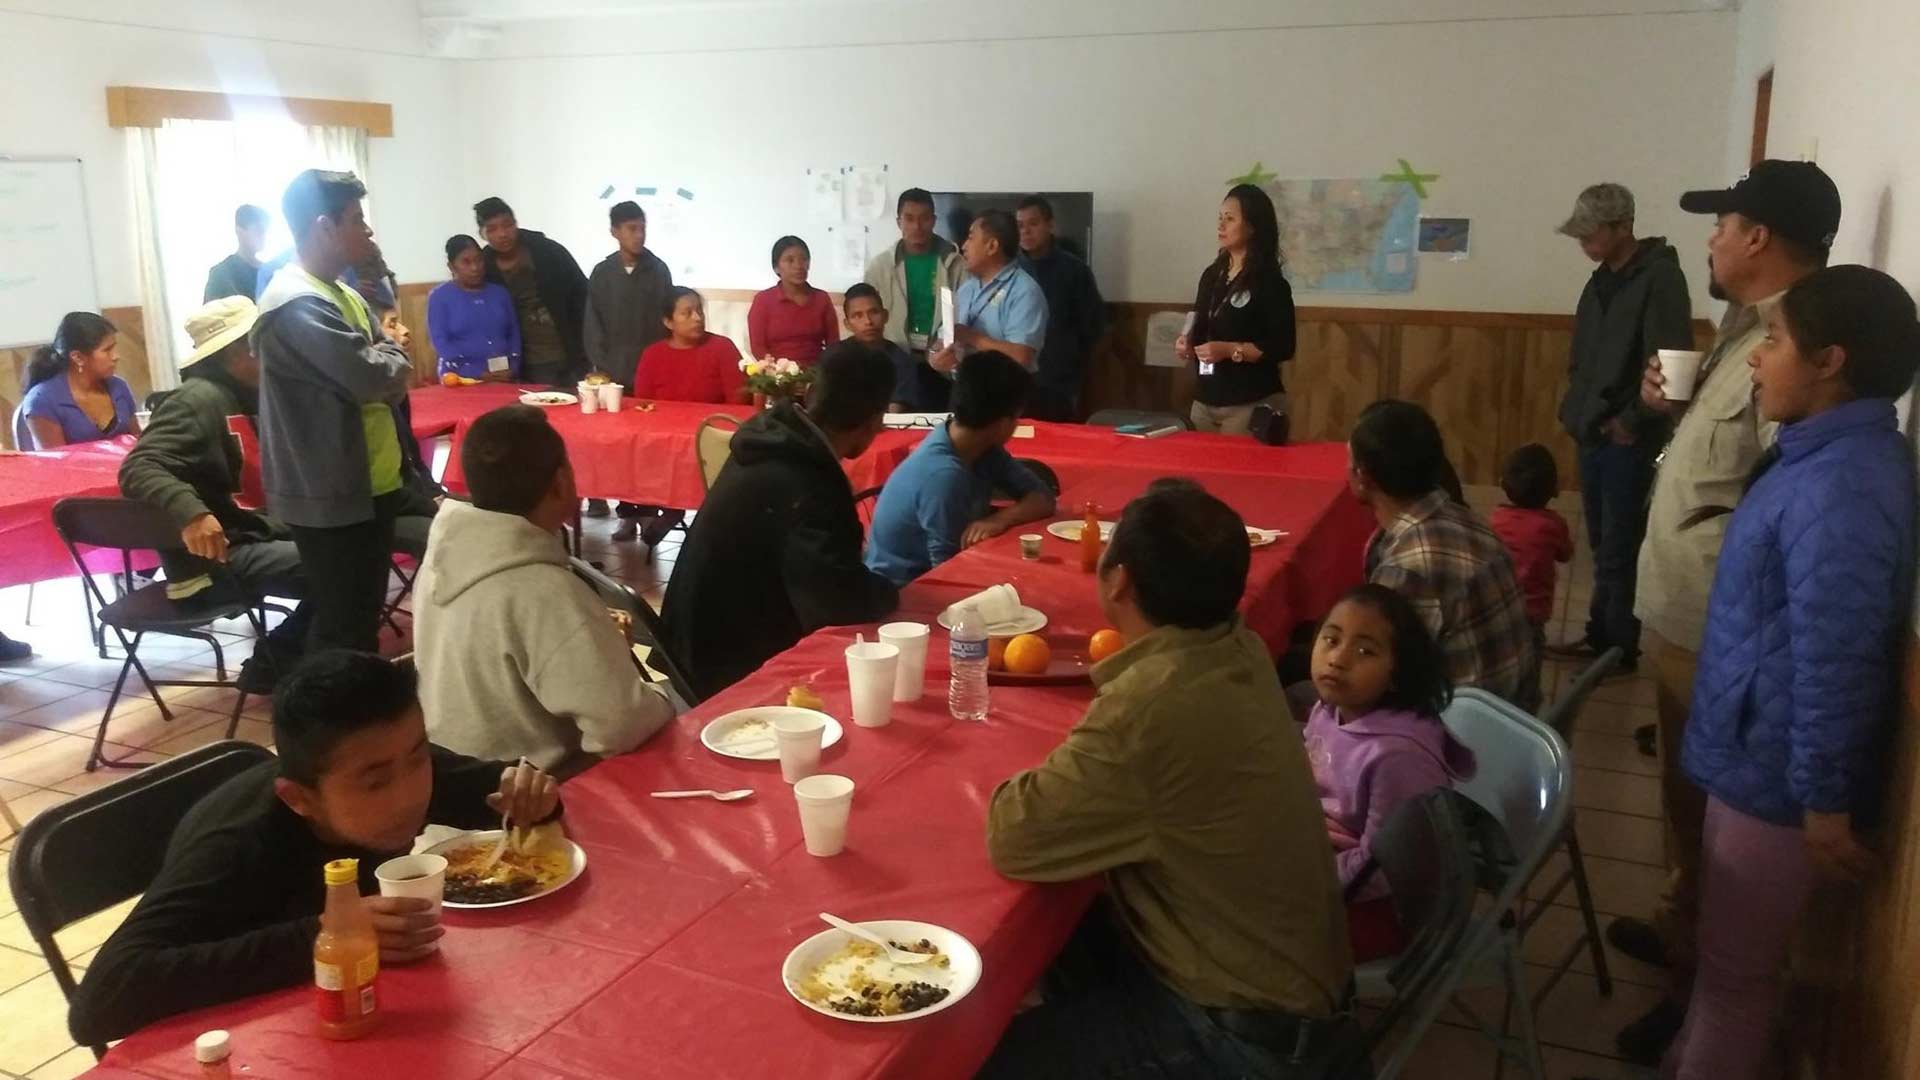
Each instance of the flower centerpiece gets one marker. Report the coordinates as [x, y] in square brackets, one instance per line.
[773, 379]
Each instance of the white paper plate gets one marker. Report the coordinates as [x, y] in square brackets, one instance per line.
[961, 976]
[1070, 530]
[548, 397]
[1029, 621]
[721, 730]
[492, 836]
[1263, 537]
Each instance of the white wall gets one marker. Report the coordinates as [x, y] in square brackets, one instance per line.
[1516, 114]
[1846, 81]
[53, 102]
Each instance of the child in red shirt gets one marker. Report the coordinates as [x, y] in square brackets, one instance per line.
[1535, 536]
[690, 364]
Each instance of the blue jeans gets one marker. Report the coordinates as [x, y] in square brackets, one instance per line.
[1615, 482]
[1108, 1016]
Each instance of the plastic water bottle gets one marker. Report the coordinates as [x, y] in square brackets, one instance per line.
[967, 657]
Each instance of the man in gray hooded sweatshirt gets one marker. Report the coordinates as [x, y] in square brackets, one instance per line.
[330, 453]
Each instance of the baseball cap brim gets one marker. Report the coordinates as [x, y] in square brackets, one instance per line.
[1712, 201]
[1578, 227]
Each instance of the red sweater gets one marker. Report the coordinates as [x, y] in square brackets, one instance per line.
[778, 327]
[1537, 539]
[709, 372]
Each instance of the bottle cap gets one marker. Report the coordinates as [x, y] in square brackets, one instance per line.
[212, 1046]
[343, 871]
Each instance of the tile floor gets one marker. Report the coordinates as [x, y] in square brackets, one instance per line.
[50, 705]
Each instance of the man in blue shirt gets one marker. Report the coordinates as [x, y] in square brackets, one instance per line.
[936, 502]
[999, 307]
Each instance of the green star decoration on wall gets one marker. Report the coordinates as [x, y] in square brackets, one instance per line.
[1258, 176]
[1418, 181]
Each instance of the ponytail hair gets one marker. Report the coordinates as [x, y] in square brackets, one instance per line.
[79, 331]
[1398, 446]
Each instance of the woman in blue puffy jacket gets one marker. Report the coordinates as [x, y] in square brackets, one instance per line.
[1794, 701]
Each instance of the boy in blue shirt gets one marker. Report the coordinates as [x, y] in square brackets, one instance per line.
[936, 502]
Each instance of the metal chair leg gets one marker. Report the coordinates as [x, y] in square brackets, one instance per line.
[1522, 1004]
[1577, 865]
[6, 814]
[98, 757]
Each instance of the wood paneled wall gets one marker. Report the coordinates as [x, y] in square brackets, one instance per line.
[1858, 961]
[1493, 381]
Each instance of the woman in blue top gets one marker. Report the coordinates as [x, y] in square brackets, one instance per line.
[1794, 703]
[73, 396]
[471, 319]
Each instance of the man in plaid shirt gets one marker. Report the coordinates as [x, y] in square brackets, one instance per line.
[1440, 555]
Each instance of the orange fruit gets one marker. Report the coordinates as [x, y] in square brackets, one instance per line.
[450, 379]
[1104, 643]
[1028, 654]
[997, 654]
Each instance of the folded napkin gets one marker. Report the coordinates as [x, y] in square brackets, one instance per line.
[999, 604]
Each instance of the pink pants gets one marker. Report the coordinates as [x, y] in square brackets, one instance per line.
[1754, 882]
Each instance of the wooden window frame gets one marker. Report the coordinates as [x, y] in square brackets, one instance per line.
[145, 106]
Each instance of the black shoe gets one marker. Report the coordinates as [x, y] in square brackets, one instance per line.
[1645, 1041]
[596, 508]
[1577, 649]
[1647, 738]
[1638, 939]
[258, 676]
[626, 530]
[11, 650]
[1625, 669]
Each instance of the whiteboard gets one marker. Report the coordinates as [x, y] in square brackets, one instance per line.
[46, 247]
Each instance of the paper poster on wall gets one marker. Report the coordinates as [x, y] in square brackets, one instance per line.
[866, 194]
[1449, 236]
[824, 195]
[848, 245]
[1163, 328]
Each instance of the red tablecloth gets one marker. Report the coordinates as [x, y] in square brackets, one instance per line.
[29, 486]
[642, 457]
[664, 959]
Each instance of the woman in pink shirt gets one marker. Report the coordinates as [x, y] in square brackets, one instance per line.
[793, 320]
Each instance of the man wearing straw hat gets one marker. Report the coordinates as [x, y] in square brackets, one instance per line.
[187, 464]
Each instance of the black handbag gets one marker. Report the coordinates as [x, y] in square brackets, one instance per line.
[1269, 425]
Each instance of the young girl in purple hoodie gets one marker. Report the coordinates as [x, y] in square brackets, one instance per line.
[1375, 740]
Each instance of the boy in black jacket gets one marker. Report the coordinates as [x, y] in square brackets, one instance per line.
[775, 552]
[235, 907]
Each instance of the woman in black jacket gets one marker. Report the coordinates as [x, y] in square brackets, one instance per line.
[1242, 325]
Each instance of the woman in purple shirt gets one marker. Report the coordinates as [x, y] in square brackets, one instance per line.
[73, 395]
[471, 319]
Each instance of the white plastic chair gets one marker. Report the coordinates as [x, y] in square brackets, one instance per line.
[1524, 778]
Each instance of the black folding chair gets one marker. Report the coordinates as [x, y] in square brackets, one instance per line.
[1122, 417]
[1560, 716]
[101, 848]
[131, 526]
[647, 628]
[1430, 850]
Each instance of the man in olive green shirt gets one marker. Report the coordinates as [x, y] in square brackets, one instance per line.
[1224, 948]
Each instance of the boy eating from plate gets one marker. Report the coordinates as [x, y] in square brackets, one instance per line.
[236, 904]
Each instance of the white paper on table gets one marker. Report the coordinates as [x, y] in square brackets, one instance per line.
[824, 200]
[1023, 431]
[849, 245]
[866, 192]
[1163, 329]
[946, 315]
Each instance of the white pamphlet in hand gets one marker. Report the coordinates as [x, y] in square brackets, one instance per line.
[946, 316]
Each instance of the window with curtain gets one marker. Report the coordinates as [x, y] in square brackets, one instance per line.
[189, 176]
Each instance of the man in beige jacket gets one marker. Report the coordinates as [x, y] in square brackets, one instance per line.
[1771, 229]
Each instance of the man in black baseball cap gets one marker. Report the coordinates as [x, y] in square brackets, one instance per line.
[1773, 228]
[1795, 200]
